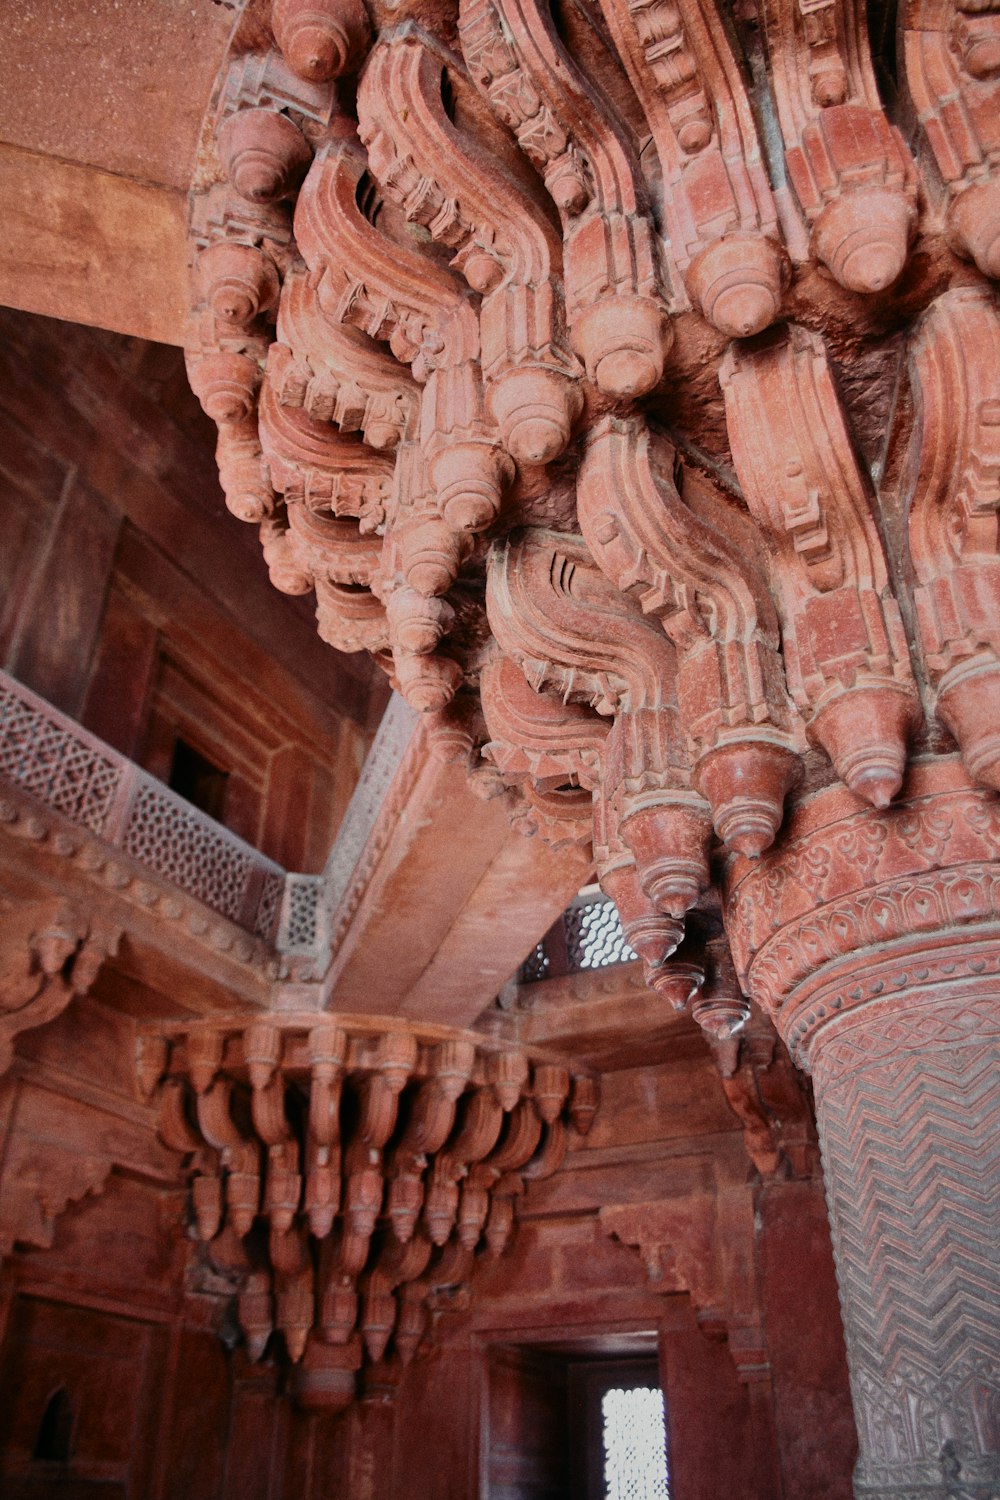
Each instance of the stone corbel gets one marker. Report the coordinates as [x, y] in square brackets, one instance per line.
[768, 1097]
[546, 752]
[315, 467]
[569, 629]
[717, 611]
[348, 1169]
[718, 209]
[850, 169]
[951, 58]
[614, 273]
[700, 1244]
[267, 123]
[50, 952]
[471, 193]
[954, 501]
[384, 286]
[336, 373]
[536, 736]
[845, 651]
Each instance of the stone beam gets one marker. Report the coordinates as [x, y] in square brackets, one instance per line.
[86, 245]
[451, 890]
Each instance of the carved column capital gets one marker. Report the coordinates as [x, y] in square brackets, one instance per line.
[873, 938]
[855, 904]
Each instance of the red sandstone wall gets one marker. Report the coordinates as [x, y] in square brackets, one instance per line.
[132, 601]
[124, 1311]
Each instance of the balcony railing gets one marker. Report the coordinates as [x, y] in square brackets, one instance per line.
[54, 760]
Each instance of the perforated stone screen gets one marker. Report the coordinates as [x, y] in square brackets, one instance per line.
[62, 769]
[594, 936]
[635, 1445]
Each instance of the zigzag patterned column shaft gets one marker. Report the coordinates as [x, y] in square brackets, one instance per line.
[908, 1097]
[874, 942]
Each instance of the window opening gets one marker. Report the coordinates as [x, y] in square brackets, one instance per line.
[594, 935]
[194, 777]
[52, 1442]
[635, 1444]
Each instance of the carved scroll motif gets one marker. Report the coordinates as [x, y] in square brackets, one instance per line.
[718, 209]
[470, 194]
[536, 735]
[336, 373]
[730, 686]
[615, 282]
[955, 499]
[313, 465]
[361, 1169]
[951, 53]
[845, 650]
[849, 167]
[570, 630]
[385, 287]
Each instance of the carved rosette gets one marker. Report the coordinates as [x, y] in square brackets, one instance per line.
[872, 939]
[351, 1170]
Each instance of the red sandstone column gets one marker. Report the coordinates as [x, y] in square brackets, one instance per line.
[873, 939]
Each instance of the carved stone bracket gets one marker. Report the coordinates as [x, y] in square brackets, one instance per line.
[717, 202]
[851, 172]
[951, 56]
[350, 1170]
[955, 497]
[50, 952]
[845, 648]
[700, 1244]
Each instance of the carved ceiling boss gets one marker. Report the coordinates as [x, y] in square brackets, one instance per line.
[625, 375]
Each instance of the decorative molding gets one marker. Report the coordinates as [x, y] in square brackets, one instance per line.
[845, 648]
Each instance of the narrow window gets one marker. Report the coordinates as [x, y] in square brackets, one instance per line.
[52, 1442]
[635, 1444]
[197, 780]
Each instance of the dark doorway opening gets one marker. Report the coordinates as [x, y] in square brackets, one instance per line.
[195, 778]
